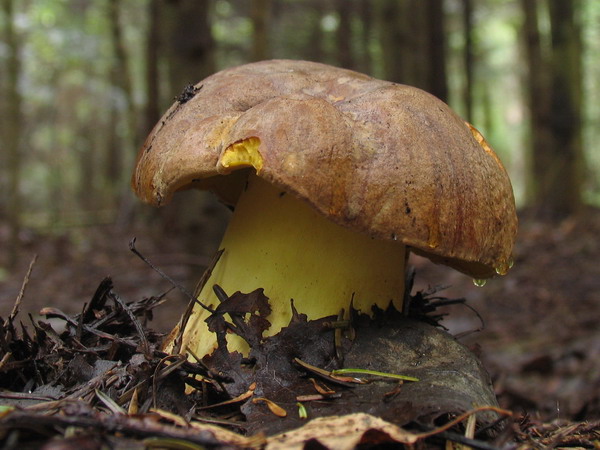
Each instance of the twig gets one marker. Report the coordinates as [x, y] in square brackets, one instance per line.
[181, 288]
[111, 423]
[337, 336]
[316, 397]
[136, 322]
[476, 330]
[469, 442]
[408, 286]
[79, 332]
[25, 396]
[186, 315]
[92, 384]
[5, 359]
[240, 398]
[157, 376]
[15, 309]
[55, 312]
[109, 402]
[208, 272]
[324, 373]
[462, 417]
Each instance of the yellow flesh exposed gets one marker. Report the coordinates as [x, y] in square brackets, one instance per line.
[277, 242]
[243, 154]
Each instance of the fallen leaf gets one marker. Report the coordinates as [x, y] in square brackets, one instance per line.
[176, 419]
[274, 407]
[342, 433]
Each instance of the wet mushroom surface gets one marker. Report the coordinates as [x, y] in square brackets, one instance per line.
[334, 178]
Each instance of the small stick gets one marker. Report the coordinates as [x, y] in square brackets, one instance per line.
[4, 360]
[470, 428]
[324, 373]
[79, 332]
[316, 397]
[476, 330]
[110, 423]
[208, 272]
[188, 312]
[240, 398]
[138, 326]
[155, 376]
[337, 337]
[25, 395]
[15, 309]
[462, 417]
[181, 288]
[58, 313]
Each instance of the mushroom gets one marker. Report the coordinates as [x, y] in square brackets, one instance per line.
[334, 177]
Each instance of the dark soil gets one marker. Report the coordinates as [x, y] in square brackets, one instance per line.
[535, 329]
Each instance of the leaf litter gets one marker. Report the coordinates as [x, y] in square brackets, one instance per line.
[101, 378]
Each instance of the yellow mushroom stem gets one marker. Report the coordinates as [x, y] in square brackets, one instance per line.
[277, 242]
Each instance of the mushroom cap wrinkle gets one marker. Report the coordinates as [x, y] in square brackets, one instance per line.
[384, 159]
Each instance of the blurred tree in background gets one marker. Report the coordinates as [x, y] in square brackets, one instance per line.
[11, 130]
[554, 62]
[82, 82]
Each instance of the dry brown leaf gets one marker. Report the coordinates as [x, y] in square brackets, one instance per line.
[225, 436]
[246, 395]
[133, 403]
[177, 420]
[341, 433]
[321, 389]
[274, 407]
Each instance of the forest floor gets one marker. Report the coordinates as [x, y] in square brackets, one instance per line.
[540, 340]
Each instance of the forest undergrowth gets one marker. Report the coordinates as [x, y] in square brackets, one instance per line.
[535, 329]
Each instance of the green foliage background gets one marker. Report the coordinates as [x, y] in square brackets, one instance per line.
[69, 95]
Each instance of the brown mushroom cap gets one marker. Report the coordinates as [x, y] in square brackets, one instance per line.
[377, 157]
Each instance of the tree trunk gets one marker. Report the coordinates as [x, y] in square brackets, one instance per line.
[86, 192]
[190, 49]
[153, 97]
[413, 45]
[564, 175]
[436, 50]
[467, 17]
[191, 57]
[539, 94]
[260, 14]
[12, 127]
[344, 34]
[121, 79]
[555, 84]
[315, 51]
[393, 42]
[366, 15]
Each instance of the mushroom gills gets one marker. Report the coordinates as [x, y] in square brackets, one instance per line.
[278, 242]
